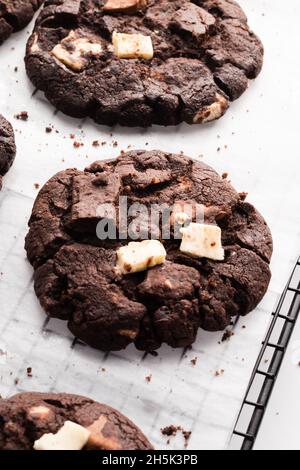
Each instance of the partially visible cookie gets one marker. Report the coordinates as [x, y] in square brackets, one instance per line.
[113, 292]
[7, 147]
[143, 62]
[25, 418]
[15, 15]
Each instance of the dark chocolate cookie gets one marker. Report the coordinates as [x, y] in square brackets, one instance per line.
[75, 275]
[143, 62]
[7, 147]
[26, 417]
[15, 15]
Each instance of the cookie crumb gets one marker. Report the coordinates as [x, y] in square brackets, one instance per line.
[23, 116]
[227, 335]
[77, 144]
[171, 431]
[187, 436]
[194, 361]
[48, 129]
[36, 185]
[29, 371]
[148, 378]
[243, 196]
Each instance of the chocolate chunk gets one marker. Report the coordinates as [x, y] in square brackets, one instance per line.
[192, 20]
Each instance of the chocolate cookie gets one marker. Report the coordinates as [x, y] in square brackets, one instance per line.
[26, 417]
[15, 15]
[7, 147]
[82, 276]
[143, 62]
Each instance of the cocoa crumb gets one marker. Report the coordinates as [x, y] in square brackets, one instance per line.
[171, 431]
[36, 185]
[23, 116]
[227, 335]
[148, 378]
[187, 436]
[243, 196]
[29, 371]
[95, 143]
[225, 176]
[194, 361]
[48, 129]
[77, 144]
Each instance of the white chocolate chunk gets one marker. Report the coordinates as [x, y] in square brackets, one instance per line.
[124, 6]
[34, 47]
[139, 256]
[213, 111]
[202, 241]
[71, 436]
[39, 412]
[74, 50]
[132, 46]
[181, 218]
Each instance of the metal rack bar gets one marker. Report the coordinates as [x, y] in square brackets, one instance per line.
[288, 312]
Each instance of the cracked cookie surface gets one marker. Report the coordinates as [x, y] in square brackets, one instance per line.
[75, 276]
[26, 417]
[7, 147]
[15, 15]
[204, 55]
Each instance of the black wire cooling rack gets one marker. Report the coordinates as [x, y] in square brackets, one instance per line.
[266, 370]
